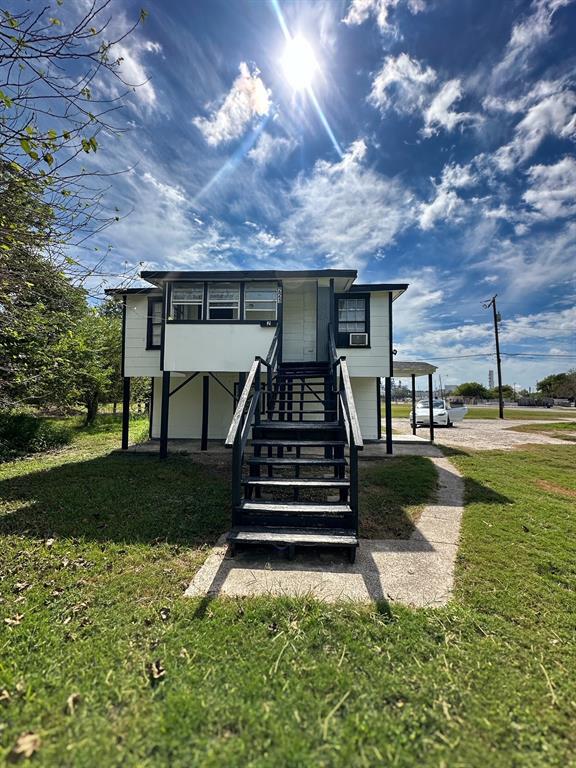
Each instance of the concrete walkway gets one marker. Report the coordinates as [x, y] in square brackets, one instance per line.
[418, 571]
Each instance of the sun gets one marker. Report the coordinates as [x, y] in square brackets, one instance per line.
[299, 63]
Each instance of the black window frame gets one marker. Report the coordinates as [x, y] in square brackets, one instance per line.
[149, 324]
[223, 321]
[343, 338]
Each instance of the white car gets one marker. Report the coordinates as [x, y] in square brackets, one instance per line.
[444, 414]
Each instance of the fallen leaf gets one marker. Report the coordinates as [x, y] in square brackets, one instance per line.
[20, 586]
[26, 745]
[4, 695]
[49, 542]
[14, 620]
[164, 614]
[156, 671]
[72, 702]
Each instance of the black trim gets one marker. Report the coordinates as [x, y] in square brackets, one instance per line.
[261, 323]
[193, 376]
[129, 291]
[149, 324]
[122, 363]
[373, 287]
[343, 339]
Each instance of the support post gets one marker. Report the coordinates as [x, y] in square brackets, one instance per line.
[414, 404]
[388, 410]
[151, 408]
[431, 407]
[125, 412]
[379, 408]
[205, 411]
[164, 413]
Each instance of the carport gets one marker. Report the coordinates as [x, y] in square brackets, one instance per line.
[402, 369]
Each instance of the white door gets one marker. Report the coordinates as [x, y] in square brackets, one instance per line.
[299, 322]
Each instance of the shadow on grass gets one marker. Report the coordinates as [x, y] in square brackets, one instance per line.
[124, 498]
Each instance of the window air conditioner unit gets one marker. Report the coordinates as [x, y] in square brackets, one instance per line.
[358, 339]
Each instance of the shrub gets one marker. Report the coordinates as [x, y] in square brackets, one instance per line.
[23, 433]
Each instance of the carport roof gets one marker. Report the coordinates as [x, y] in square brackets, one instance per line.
[404, 368]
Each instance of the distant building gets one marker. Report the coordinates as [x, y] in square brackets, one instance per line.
[490, 379]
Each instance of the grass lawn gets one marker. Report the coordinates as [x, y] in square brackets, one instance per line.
[562, 430]
[402, 410]
[104, 660]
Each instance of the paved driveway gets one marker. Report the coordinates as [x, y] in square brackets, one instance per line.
[485, 434]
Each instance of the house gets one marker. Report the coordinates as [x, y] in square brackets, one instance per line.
[290, 360]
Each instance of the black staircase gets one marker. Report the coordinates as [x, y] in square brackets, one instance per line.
[296, 482]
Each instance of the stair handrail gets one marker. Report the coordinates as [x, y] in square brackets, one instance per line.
[345, 394]
[241, 423]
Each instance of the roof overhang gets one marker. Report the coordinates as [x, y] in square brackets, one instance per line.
[396, 289]
[130, 291]
[158, 277]
[404, 368]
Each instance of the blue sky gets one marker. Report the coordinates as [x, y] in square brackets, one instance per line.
[434, 145]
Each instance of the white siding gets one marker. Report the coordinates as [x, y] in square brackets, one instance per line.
[375, 360]
[185, 413]
[215, 347]
[138, 361]
[366, 401]
[299, 321]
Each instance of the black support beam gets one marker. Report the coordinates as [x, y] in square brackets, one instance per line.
[388, 410]
[431, 407]
[205, 412]
[125, 412]
[164, 414]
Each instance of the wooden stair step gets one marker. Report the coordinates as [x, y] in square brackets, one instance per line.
[297, 425]
[312, 461]
[292, 536]
[296, 507]
[296, 482]
[298, 443]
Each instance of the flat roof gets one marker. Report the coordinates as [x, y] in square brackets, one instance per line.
[122, 291]
[405, 368]
[242, 274]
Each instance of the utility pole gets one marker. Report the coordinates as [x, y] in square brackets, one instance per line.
[497, 318]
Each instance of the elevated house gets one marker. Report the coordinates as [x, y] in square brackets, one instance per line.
[285, 368]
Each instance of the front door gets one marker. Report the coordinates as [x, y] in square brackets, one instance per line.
[299, 322]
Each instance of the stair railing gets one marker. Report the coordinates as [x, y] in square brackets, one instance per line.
[347, 415]
[248, 412]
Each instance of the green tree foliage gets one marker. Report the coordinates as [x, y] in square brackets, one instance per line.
[473, 389]
[559, 385]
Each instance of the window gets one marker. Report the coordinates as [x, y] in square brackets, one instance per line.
[187, 301]
[260, 301]
[352, 313]
[154, 329]
[223, 301]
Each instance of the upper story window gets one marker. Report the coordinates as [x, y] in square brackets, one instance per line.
[187, 301]
[352, 316]
[223, 301]
[154, 326]
[260, 301]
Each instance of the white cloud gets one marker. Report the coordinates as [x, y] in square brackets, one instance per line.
[526, 37]
[440, 113]
[270, 148]
[345, 211]
[248, 98]
[360, 11]
[552, 116]
[552, 192]
[407, 86]
[402, 84]
[446, 203]
[170, 193]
